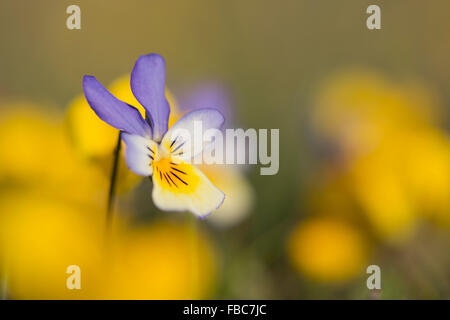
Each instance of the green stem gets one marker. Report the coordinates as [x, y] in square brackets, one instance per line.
[112, 186]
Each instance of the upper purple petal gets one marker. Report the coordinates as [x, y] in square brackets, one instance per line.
[148, 85]
[114, 112]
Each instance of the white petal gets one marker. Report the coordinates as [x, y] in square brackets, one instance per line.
[139, 153]
[184, 139]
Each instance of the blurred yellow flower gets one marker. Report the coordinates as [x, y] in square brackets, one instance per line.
[165, 260]
[376, 183]
[48, 221]
[358, 109]
[34, 152]
[328, 250]
[28, 136]
[427, 173]
[401, 180]
[90, 136]
[391, 151]
[40, 238]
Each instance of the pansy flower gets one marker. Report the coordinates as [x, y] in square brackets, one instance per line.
[152, 149]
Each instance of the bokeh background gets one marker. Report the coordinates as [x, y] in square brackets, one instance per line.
[364, 150]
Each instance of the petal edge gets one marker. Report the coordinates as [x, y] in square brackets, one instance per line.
[148, 85]
[111, 110]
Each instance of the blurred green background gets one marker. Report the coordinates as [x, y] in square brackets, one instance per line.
[364, 149]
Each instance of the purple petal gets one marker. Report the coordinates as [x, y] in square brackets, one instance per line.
[114, 112]
[148, 85]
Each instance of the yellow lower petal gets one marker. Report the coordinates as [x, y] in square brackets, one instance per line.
[179, 186]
